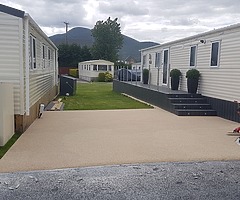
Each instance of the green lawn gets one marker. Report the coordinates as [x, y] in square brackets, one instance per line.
[7, 146]
[99, 96]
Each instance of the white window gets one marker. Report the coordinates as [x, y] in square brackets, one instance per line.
[215, 54]
[102, 67]
[49, 57]
[193, 56]
[150, 58]
[32, 60]
[144, 60]
[157, 59]
[43, 55]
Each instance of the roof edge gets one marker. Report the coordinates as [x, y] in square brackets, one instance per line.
[226, 28]
[11, 11]
[92, 61]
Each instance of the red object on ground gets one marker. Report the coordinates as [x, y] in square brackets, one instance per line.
[236, 130]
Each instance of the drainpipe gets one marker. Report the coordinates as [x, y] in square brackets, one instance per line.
[27, 101]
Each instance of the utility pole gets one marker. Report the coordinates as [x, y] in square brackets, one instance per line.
[66, 24]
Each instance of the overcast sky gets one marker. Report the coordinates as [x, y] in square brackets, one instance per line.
[145, 20]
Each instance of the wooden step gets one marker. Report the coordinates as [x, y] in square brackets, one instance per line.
[57, 106]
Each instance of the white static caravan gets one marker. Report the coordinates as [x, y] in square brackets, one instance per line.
[216, 54]
[136, 66]
[28, 60]
[89, 70]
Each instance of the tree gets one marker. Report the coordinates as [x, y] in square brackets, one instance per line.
[71, 55]
[107, 40]
[86, 53]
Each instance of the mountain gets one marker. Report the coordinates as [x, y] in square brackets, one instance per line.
[83, 36]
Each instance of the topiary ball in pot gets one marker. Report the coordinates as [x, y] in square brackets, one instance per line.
[175, 77]
[145, 76]
[192, 76]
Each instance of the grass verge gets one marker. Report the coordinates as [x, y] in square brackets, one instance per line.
[99, 96]
[8, 145]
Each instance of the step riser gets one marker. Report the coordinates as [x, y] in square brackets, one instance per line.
[205, 107]
[198, 113]
[184, 96]
[191, 105]
[188, 101]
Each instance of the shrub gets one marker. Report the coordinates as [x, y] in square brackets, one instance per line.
[145, 72]
[108, 77]
[175, 73]
[145, 76]
[105, 77]
[193, 74]
[101, 77]
[73, 72]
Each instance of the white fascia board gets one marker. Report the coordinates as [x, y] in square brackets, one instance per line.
[234, 26]
[39, 30]
[97, 62]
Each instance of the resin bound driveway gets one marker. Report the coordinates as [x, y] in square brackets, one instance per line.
[94, 138]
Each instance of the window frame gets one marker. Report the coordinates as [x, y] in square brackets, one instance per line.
[218, 53]
[44, 55]
[144, 60]
[49, 56]
[195, 56]
[102, 67]
[32, 53]
[150, 58]
[158, 59]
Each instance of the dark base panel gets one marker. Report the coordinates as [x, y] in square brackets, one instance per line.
[145, 94]
[225, 109]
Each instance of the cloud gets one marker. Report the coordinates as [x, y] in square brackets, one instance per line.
[53, 13]
[121, 8]
[154, 20]
[184, 22]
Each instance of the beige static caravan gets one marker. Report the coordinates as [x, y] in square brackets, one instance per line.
[28, 60]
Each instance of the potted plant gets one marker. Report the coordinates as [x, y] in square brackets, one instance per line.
[145, 76]
[192, 76]
[175, 77]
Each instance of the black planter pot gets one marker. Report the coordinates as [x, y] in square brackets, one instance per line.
[145, 79]
[192, 85]
[174, 83]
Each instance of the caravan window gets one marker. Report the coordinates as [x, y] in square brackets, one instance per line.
[144, 60]
[102, 67]
[32, 60]
[49, 57]
[150, 58]
[43, 55]
[193, 56]
[95, 67]
[157, 60]
[215, 54]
